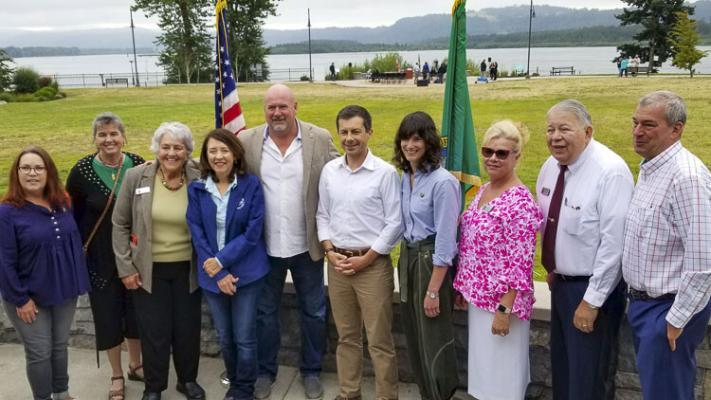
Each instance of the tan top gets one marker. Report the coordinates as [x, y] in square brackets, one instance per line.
[170, 236]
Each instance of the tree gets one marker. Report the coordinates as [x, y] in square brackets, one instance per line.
[187, 48]
[683, 40]
[247, 47]
[657, 17]
[6, 71]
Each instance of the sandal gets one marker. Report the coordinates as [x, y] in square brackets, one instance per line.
[117, 394]
[132, 375]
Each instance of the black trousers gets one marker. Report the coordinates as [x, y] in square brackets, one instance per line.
[584, 364]
[169, 318]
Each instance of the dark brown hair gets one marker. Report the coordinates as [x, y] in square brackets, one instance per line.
[54, 191]
[353, 111]
[230, 140]
[421, 124]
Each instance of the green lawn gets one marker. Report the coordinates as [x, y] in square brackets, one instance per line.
[64, 127]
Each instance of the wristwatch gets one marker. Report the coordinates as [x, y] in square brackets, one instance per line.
[432, 295]
[503, 309]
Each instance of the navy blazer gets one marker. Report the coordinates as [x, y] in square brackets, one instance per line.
[245, 254]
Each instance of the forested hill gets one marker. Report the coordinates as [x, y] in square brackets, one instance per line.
[416, 31]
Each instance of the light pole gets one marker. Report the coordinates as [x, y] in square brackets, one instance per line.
[531, 14]
[311, 76]
[133, 39]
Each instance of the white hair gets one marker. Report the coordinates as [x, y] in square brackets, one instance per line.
[176, 130]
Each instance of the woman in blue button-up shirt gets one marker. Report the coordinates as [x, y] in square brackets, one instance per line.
[42, 269]
[226, 220]
[430, 208]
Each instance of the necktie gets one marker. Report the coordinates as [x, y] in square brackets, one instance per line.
[548, 256]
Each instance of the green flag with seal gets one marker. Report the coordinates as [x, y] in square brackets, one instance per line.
[458, 137]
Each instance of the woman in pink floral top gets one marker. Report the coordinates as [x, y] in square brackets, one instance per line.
[495, 273]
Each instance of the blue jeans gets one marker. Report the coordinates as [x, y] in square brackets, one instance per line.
[308, 282]
[235, 319]
[45, 341]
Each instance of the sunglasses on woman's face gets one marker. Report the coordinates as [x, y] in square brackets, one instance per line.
[487, 152]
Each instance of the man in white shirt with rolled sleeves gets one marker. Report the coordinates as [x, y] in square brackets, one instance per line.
[359, 223]
[584, 189]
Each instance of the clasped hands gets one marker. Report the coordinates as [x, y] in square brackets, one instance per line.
[347, 265]
[228, 284]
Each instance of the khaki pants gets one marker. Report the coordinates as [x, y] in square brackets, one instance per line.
[364, 299]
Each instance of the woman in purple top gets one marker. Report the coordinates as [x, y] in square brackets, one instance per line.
[495, 272]
[42, 269]
[430, 208]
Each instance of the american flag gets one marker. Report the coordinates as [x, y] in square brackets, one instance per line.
[228, 113]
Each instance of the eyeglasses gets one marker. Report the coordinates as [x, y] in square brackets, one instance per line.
[487, 152]
[26, 169]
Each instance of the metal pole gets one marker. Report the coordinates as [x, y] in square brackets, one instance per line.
[133, 39]
[311, 75]
[530, 21]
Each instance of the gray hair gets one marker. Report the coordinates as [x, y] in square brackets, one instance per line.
[509, 130]
[576, 108]
[674, 107]
[107, 118]
[178, 131]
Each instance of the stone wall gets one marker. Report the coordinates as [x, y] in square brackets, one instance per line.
[627, 380]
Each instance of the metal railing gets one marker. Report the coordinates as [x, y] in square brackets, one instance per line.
[109, 79]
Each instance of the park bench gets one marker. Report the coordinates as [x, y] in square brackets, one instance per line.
[116, 81]
[562, 70]
[642, 69]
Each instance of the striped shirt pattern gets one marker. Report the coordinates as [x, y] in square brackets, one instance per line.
[667, 244]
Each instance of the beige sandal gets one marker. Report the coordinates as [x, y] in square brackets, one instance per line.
[117, 394]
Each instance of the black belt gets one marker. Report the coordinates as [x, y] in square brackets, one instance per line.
[573, 278]
[428, 241]
[635, 294]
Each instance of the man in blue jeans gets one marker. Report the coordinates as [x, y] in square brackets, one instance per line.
[288, 155]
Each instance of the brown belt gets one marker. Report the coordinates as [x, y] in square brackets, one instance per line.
[351, 252]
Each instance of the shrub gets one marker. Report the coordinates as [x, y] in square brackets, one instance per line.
[25, 80]
[25, 98]
[304, 78]
[44, 81]
[8, 97]
[46, 93]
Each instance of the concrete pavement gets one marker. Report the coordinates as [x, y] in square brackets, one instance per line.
[86, 382]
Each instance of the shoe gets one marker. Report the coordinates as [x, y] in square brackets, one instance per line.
[133, 373]
[117, 394]
[312, 387]
[191, 390]
[263, 387]
[150, 396]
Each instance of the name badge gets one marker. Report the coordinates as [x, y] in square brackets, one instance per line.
[545, 191]
[143, 190]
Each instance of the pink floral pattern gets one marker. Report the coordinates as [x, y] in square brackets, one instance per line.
[496, 247]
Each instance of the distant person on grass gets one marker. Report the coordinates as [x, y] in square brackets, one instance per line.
[332, 69]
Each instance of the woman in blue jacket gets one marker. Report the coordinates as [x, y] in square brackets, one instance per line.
[226, 219]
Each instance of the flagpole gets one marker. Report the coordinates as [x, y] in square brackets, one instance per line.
[530, 23]
[311, 75]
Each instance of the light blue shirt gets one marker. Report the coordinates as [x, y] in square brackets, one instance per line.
[221, 202]
[432, 207]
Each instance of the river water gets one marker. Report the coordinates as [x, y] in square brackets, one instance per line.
[585, 60]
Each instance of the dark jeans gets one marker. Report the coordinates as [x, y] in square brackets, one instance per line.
[308, 282]
[169, 318]
[583, 365]
[665, 374]
[45, 342]
[235, 319]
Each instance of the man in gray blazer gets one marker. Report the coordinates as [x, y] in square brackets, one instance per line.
[288, 155]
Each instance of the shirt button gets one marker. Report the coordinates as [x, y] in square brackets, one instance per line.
[51, 217]
[59, 237]
[55, 222]
[56, 229]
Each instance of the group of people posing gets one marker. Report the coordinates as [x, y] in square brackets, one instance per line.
[147, 240]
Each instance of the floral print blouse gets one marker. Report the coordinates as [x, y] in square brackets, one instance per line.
[496, 248]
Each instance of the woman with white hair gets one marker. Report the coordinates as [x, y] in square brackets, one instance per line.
[155, 260]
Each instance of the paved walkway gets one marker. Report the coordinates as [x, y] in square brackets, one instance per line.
[90, 383]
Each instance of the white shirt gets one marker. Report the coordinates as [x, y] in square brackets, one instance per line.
[360, 208]
[282, 181]
[598, 189]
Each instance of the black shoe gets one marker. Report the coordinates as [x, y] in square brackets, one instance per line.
[191, 390]
[151, 396]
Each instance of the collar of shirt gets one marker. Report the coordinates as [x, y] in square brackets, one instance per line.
[211, 187]
[368, 163]
[649, 167]
[578, 164]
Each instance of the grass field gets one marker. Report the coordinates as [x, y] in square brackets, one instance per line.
[64, 127]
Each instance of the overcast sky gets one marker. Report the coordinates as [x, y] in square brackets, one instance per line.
[87, 14]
